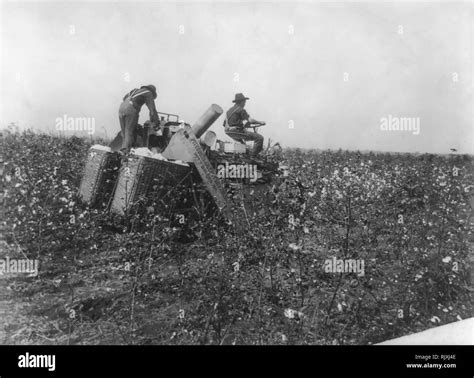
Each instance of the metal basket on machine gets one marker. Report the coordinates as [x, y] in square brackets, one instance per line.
[99, 176]
[138, 176]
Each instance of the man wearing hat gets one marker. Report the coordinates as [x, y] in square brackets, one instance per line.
[129, 112]
[237, 120]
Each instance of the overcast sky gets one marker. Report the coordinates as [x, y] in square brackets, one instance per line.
[330, 70]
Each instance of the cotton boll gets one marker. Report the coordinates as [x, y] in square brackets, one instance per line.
[101, 148]
[142, 151]
[158, 156]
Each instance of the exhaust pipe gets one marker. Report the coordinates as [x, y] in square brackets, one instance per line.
[206, 120]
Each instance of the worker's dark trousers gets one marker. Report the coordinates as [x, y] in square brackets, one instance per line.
[128, 117]
[242, 135]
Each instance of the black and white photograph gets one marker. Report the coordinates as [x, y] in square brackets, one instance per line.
[244, 172]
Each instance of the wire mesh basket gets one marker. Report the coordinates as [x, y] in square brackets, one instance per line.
[140, 174]
[99, 176]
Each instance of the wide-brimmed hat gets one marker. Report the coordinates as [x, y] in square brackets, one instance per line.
[240, 97]
[152, 88]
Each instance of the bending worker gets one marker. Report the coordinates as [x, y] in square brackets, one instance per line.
[129, 112]
[238, 120]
